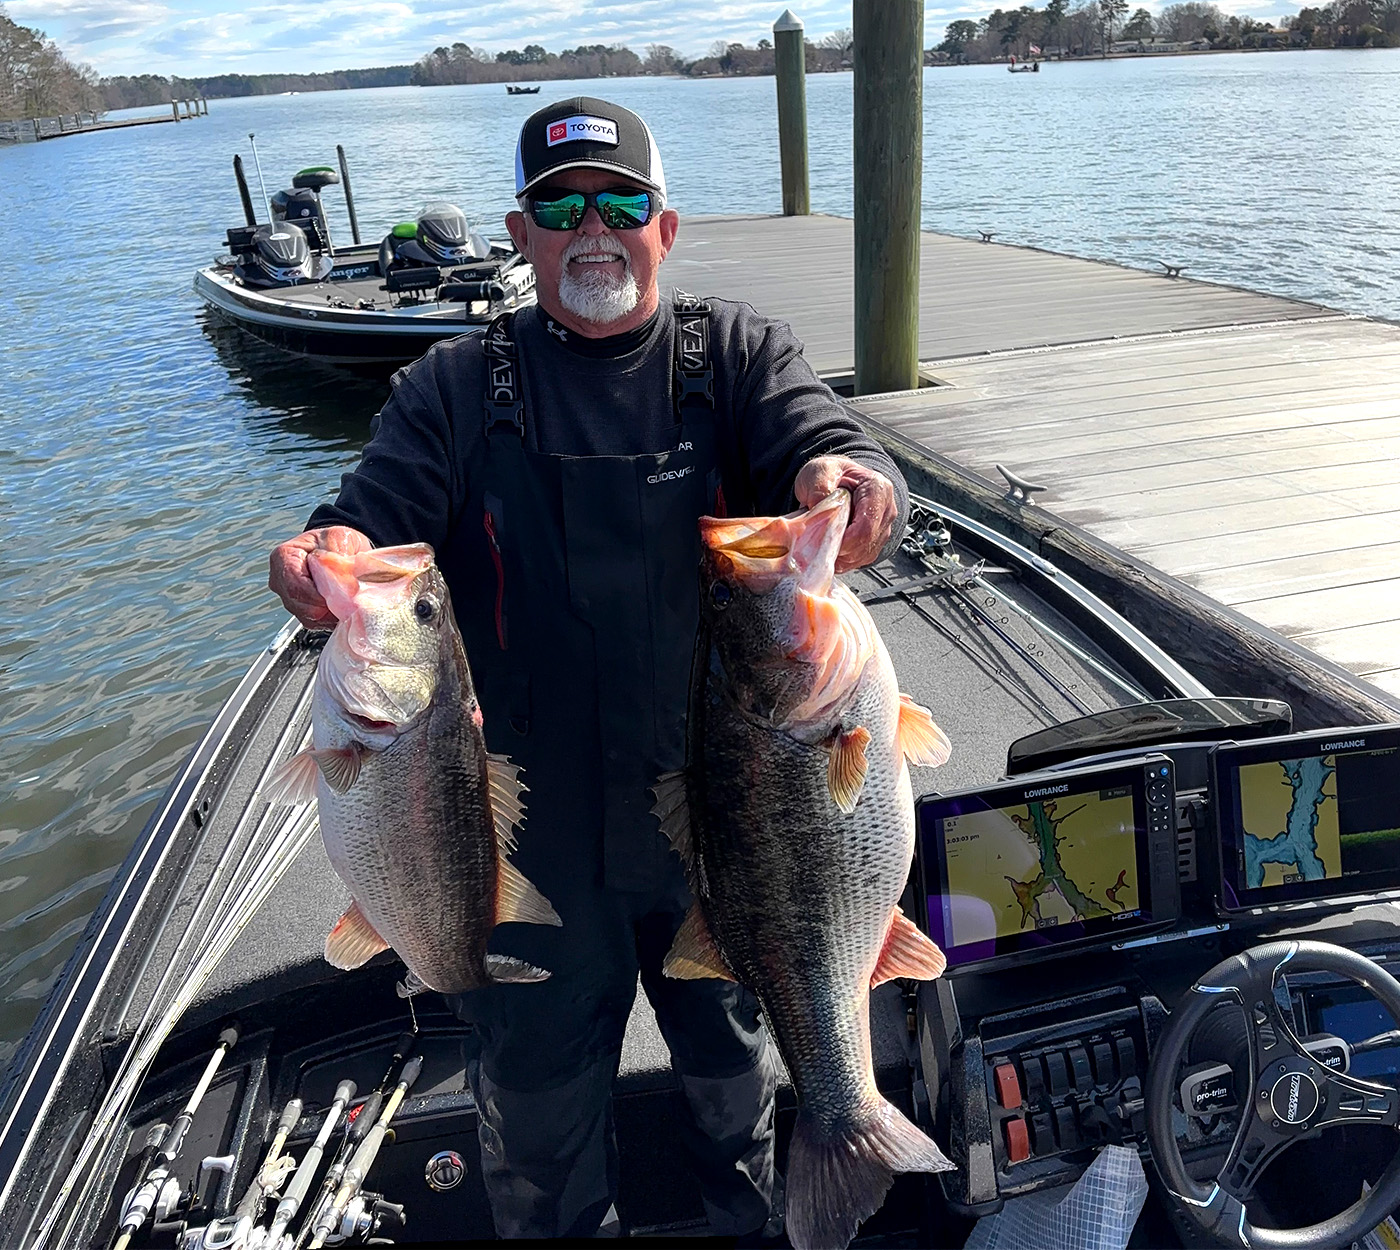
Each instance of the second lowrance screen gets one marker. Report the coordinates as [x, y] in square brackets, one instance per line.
[1029, 869]
[1309, 817]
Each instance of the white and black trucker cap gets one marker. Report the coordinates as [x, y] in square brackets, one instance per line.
[586, 133]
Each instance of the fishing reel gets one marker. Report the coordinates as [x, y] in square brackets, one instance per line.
[928, 533]
[368, 1218]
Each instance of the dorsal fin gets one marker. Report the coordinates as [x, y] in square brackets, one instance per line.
[694, 954]
[518, 900]
[504, 789]
[672, 809]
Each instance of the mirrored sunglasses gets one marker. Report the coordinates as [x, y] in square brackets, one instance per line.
[619, 210]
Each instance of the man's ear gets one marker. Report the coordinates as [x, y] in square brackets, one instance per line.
[669, 222]
[519, 232]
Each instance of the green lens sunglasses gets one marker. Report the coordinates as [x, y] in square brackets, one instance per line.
[564, 210]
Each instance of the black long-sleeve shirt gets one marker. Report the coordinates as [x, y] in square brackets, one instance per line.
[772, 415]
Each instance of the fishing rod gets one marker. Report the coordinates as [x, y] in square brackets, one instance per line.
[146, 1198]
[276, 839]
[236, 1231]
[329, 1220]
[155, 1137]
[357, 1127]
[291, 1201]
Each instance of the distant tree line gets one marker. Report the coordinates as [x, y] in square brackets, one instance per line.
[37, 80]
[124, 92]
[1101, 26]
[461, 63]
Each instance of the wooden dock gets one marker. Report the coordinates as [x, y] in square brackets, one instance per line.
[1244, 445]
[33, 130]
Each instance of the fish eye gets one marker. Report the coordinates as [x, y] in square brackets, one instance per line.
[425, 609]
[720, 595]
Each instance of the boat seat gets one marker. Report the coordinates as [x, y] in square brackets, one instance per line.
[316, 179]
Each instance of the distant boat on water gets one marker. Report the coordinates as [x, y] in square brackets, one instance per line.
[522, 90]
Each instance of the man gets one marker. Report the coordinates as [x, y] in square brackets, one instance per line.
[557, 464]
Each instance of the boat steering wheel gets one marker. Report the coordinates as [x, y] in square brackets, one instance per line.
[1289, 1095]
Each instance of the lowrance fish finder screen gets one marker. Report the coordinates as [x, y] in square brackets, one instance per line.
[1308, 817]
[1030, 868]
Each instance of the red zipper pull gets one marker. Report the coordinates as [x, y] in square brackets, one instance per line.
[490, 524]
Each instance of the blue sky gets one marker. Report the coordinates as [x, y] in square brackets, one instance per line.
[191, 37]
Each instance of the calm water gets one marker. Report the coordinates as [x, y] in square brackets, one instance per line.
[151, 459]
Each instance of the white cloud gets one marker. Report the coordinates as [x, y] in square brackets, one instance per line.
[194, 37]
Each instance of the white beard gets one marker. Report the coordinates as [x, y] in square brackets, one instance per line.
[594, 295]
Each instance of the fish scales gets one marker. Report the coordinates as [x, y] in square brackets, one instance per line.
[431, 778]
[795, 818]
[416, 817]
[804, 923]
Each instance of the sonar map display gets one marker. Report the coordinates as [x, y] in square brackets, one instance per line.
[1040, 864]
[1289, 817]
[1318, 818]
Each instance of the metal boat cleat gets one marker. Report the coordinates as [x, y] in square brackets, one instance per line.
[1020, 489]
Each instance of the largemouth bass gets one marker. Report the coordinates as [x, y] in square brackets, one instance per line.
[795, 819]
[416, 816]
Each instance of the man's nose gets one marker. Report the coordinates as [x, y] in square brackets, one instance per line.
[592, 223]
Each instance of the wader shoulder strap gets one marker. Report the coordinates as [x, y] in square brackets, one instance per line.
[504, 403]
[694, 385]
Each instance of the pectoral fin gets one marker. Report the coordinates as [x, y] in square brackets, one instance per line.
[694, 955]
[919, 738]
[295, 781]
[353, 940]
[907, 953]
[845, 768]
[518, 900]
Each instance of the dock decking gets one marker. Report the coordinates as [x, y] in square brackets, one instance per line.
[1244, 444]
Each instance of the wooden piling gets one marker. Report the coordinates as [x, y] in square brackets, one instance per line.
[175, 109]
[888, 142]
[790, 65]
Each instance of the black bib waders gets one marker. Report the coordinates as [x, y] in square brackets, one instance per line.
[580, 643]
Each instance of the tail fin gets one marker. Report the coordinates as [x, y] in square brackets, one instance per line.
[837, 1179]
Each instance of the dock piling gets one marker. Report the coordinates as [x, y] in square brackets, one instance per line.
[888, 134]
[790, 67]
[175, 109]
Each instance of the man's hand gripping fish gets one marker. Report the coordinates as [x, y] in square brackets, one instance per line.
[417, 817]
[795, 820]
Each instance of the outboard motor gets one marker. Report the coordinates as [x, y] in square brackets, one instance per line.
[444, 235]
[275, 255]
[439, 237]
[301, 205]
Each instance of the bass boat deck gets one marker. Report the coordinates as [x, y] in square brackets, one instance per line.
[217, 919]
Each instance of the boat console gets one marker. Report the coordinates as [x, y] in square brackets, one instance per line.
[1081, 904]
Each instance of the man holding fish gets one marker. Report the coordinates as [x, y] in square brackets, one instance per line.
[558, 466]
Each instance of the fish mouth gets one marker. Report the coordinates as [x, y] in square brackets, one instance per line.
[369, 723]
[760, 552]
[367, 579]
